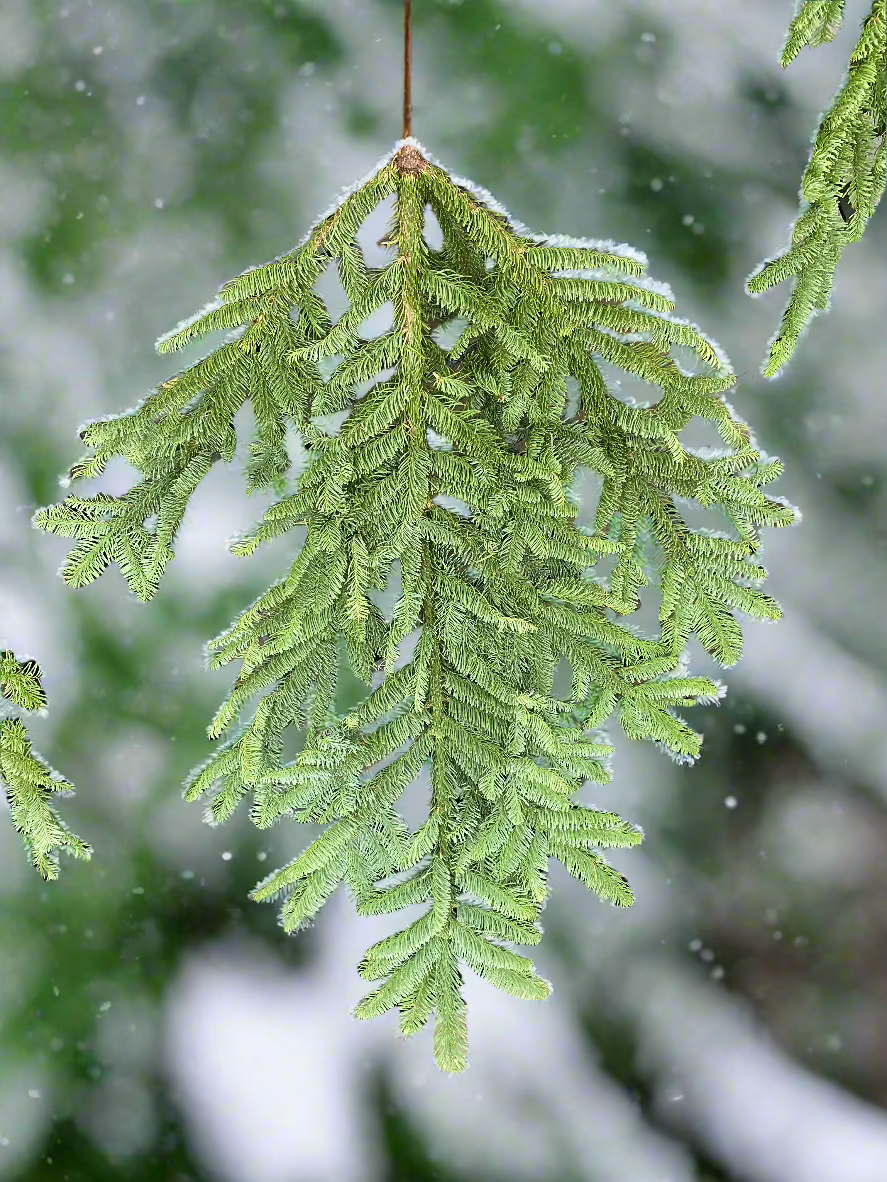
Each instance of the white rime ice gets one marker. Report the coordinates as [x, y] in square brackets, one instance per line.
[189, 320]
[486, 198]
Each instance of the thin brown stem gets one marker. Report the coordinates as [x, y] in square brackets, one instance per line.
[407, 68]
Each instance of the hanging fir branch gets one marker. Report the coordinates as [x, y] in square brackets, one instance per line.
[30, 781]
[495, 591]
[844, 179]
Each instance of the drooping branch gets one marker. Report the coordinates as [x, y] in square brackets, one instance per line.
[452, 470]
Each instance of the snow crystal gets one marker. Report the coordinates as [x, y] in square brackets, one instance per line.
[606, 273]
[675, 756]
[704, 452]
[605, 245]
[349, 190]
[623, 337]
[723, 360]
[715, 698]
[799, 517]
[212, 306]
[742, 423]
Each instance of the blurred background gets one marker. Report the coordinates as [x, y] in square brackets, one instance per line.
[155, 1025]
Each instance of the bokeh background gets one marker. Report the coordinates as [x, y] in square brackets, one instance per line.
[155, 1025]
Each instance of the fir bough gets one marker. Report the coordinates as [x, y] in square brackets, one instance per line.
[844, 179]
[30, 782]
[453, 469]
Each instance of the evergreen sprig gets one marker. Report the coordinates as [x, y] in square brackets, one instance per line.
[452, 472]
[845, 176]
[30, 781]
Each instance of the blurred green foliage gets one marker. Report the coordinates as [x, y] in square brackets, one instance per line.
[219, 76]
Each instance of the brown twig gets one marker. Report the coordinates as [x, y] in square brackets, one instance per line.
[407, 68]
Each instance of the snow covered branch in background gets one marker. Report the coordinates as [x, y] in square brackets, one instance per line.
[760, 1112]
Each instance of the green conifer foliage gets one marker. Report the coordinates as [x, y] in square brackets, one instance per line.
[30, 781]
[845, 176]
[495, 592]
